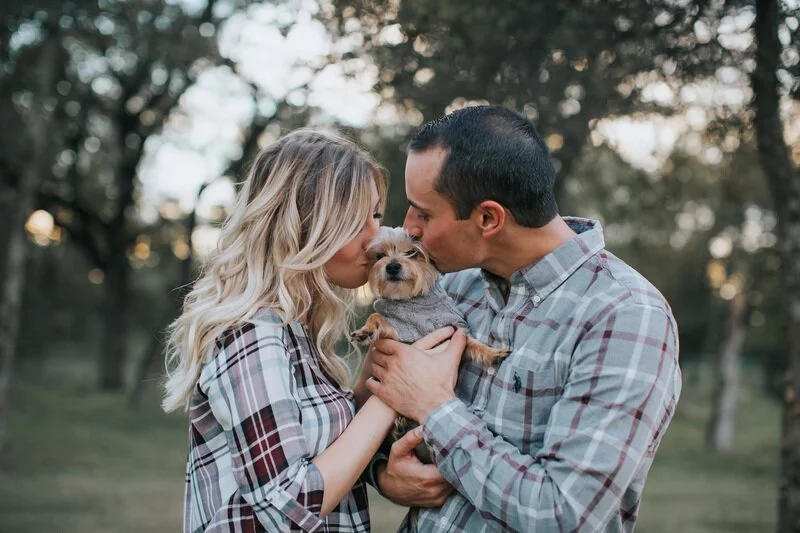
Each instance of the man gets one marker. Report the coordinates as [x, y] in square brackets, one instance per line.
[561, 434]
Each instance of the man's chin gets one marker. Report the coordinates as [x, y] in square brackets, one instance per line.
[441, 269]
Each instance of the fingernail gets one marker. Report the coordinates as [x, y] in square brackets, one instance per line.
[418, 431]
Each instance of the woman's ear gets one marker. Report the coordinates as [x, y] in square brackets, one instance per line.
[490, 217]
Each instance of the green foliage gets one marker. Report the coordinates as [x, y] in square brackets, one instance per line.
[664, 223]
[564, 64]
[123, 69]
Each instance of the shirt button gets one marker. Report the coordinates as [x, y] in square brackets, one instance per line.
[537, 299]
[491, 371]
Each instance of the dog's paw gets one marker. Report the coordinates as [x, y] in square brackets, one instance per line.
[499, 353]
[490, 355]
[362, 336]
[483, 354]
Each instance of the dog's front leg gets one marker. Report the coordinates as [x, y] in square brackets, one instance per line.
[374, 328]
[483, 354]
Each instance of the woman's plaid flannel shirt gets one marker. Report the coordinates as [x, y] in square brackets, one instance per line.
[261, 411]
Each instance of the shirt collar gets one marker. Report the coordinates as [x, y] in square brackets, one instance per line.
[542, 277]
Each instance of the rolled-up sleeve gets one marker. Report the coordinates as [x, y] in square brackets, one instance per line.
[254, 399]
[621, 391]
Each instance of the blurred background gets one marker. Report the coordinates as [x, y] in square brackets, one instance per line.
[125, 126]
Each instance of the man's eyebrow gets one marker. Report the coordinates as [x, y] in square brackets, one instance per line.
[416, 206]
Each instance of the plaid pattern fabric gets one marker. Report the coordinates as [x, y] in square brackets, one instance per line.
[261, 410]
[558, 437]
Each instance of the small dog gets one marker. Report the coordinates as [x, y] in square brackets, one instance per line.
[411, 304]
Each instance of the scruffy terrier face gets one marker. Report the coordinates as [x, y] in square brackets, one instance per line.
[401, 268]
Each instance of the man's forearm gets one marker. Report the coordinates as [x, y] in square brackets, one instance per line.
[515, 488]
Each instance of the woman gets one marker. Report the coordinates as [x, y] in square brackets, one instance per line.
[274, 443]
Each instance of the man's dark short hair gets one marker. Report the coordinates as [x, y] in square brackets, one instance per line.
[493, 153]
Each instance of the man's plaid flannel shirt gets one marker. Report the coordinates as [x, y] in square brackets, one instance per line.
[559, 436]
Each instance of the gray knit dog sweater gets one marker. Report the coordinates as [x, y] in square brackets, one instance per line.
[416, 317]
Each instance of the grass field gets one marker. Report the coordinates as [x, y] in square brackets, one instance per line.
[80, 461]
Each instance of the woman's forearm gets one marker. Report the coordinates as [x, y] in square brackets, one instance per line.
[342, 463]
[360, 391]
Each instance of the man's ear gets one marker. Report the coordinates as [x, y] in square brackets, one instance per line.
[490, 217]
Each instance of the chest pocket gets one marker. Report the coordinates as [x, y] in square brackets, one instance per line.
[521, 396]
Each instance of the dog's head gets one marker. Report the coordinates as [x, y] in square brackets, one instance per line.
[401, 267]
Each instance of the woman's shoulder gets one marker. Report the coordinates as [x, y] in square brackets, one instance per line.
[267, 317]
[264, 325]
[253, 341]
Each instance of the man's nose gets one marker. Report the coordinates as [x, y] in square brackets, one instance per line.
[410, 224]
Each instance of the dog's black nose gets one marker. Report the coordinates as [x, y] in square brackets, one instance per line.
[393, 268]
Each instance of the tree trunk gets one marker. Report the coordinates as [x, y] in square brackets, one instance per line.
[118, 270]
[721, 429]
[17, 252]
[112, 354]
[784, 184]
[155, 347]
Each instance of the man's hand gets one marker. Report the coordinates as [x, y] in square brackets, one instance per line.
[434, 342]
[405, 480]
[414, 382]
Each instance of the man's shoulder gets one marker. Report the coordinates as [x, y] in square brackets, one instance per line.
[614, 279]
[463, 283]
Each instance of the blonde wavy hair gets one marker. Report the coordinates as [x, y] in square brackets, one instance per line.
[305, 197]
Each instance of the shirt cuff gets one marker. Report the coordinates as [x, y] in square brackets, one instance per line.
[370, 475]
[304, 510]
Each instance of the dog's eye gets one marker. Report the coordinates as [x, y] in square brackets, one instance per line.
[411, 253]
[379, 256]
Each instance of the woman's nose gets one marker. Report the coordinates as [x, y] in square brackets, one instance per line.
[372, 231]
